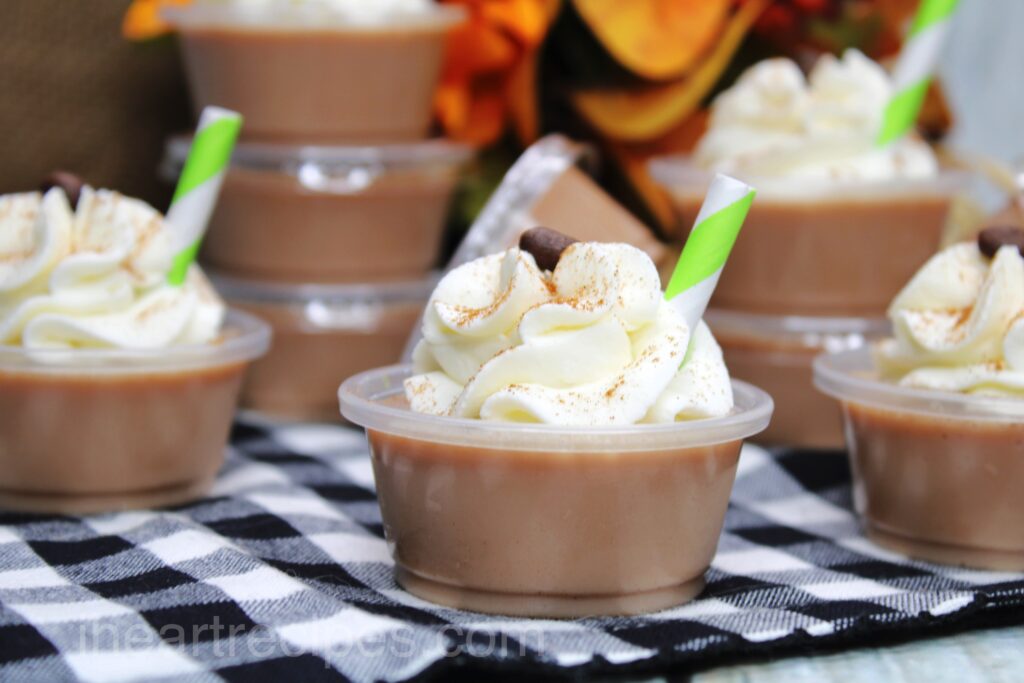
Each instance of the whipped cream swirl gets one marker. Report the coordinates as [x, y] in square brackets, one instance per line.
[776, 125]
[959, 324]
[591, 343]
[95, 277]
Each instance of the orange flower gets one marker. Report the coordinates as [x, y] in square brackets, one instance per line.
[489, 76]
[142, 20]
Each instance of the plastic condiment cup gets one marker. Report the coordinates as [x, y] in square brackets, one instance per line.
[300, 75]
[291, 213]
[94, 430]
[543, 520]
[936, 475]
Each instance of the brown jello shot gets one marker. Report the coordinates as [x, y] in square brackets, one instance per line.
[549, 521]
[305, 213]
[322, 334]
[776, 353]
[310, 72]
[86, 430]
[936, 475]
[833, 249]
[938, 456]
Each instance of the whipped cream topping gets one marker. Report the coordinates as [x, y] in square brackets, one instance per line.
[959, 324]
[349, 11]
[95, 277]
[776, 125]
[591, 343]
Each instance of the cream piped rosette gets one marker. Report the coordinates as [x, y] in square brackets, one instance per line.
[959, 324]
[95, 277]
[778, 126]
[591, 343]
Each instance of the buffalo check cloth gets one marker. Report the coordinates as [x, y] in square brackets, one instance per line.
[283, 572]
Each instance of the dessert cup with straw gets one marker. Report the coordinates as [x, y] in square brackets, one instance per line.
[583, 469]
[851, 201]
[119, 366]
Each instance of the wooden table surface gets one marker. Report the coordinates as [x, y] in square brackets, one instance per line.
[994, 655]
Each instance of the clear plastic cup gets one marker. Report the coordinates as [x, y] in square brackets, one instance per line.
[936, 475]
[313, 76]
[298, 214]
[776, 354]
[322, 334]
[831, 249]
[550, 521]
[95, 430]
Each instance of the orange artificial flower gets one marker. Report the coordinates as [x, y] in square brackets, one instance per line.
[489, 75]
[142, 20]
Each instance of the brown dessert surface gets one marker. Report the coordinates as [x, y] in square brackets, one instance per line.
[298, 85]
[943, 481]
[551, 533]
[846, 257]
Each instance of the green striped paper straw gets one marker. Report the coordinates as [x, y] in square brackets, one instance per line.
[714, 233]
[915, 67]
[199, 186]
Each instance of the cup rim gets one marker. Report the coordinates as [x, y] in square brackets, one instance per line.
[359, 397]
[244, 338]
[201, 16]
[679, 171]
[848, 377]
[255, 291]
[291, 158]
[811, 332]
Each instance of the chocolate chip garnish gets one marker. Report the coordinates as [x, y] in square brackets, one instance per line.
[990, 239]
[546, 245]
[69, 182]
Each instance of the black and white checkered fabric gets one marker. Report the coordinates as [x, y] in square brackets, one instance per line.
[283, 573]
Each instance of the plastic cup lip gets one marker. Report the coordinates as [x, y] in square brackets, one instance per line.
[284, 18]
[849, 377]
[244, 338]
[291, 158]
[812, 332]
[680, 175]
[360, 397]
[794, 326]
[244, 290]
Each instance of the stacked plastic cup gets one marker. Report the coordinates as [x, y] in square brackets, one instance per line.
[333, 208]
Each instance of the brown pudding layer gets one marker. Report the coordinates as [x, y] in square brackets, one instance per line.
[555, 534]
[267, 225]
[78, 444]
[846, 257]
[299, 376]
[941, 489]
[319, 85]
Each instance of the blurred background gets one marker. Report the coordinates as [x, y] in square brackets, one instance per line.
[87, 88]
